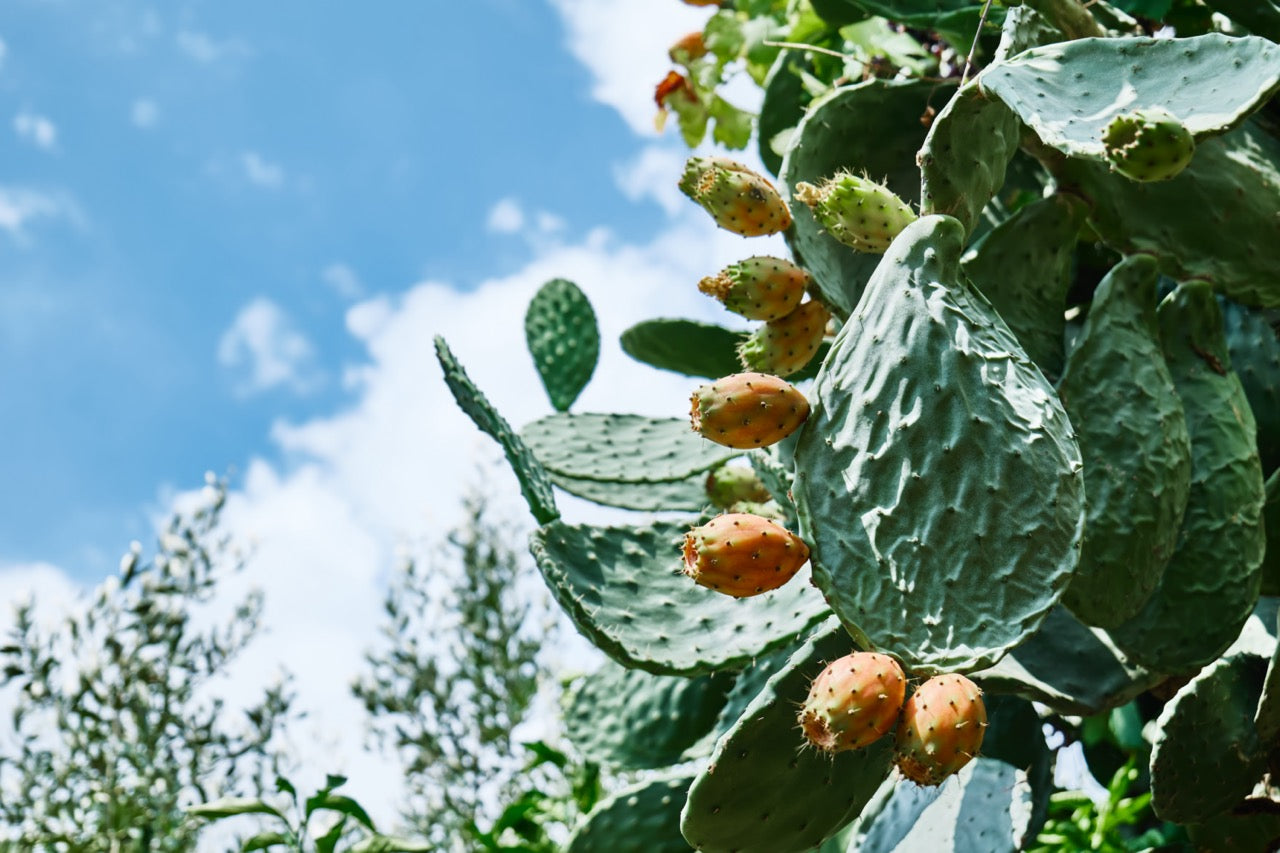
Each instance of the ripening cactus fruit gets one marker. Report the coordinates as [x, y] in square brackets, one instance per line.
[1148, 145]
[940, 730]
[854, 702]
[748, 410]
[857, 211]
[733, 484]
[742, 555]
[738, 199]
[758, 288]
[784, 346]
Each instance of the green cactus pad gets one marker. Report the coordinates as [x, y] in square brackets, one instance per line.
[623, 588]
[1023, 267]
[872, 128]
[564, 340]
[622, 448]
[642, 818]
[1271, 523]
[954, 20]
[1211, 83]
[1253, 340]
[1266, 718]
[1137, 455]
[1025, 28]
[987, 807]
[632, 720]
[761, 790]
[750, 682]
[534, 483]
[684, 346]
[777, 479]
[1015, 735]
[1216, 220]
[1253, 824]
[944, 518]
[1207, 756]
[1068, 667]
[782, 108]
[1195, 614]
[1260, 17]
[964, 156]
[686, 495]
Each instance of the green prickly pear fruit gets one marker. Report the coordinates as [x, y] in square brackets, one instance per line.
[1148, 145]
[759, 288]
[854, 702]
[748, 410]
[857, 211]
[940, 730]
[738, 199]
[733, 484]
[783, 347]
[742, 555]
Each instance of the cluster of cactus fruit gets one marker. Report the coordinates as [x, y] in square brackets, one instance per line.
[1012, 426]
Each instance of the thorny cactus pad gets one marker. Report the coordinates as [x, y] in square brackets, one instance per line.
[738, 199]
[1148, 145]
[742, 555]
[748, 410]
[758, 288]
[941, 729]
[854, 702]
[857, 211]
[783, 347]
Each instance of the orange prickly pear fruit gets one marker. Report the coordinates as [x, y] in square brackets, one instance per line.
[742, 555]
[784, 346]
[748, 410]
[758, 288]
[738, 199]
[854, 702]
[940, 730]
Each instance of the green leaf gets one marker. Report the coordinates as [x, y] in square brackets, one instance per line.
[391, 844]
[733, 125]
[325, 801]
[263, 841]
[232, 806]
[327, 842]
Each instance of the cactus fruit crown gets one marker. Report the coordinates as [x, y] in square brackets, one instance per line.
[1148, 145]
[854, 702]
[940, 730]
[857, 211]
[742, 555]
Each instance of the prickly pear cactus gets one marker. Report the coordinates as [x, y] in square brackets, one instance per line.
[1088, 546]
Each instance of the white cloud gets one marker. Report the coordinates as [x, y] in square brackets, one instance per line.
[205, 49]
[4, 52]
[19, 206]
[343, 280]
[506, 217]
[144, 113]
[653, 174]
[261, 172]
[624, 45]
[266, 351]
[39, 130]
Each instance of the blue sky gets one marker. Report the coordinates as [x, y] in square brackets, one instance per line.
[228, 234]
[168, 166]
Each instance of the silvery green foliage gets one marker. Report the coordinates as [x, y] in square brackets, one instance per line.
[116, 726]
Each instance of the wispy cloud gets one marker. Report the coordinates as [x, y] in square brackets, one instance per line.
[4, 51]
[343, 280]
[266, 351]
[36, 129]
[19, 206]
[205, 49]
[262, 172]
[144, 113]
[506, 217]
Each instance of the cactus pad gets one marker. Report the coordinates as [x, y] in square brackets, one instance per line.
[534, 483]
[624, 589]
[688, 494]
[621, 448]
[745, 800]
[944, 518]
[683, 346]
[642, 818]
[1133, 435]
[1207, 756]
[560, 330]
[632, 720]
